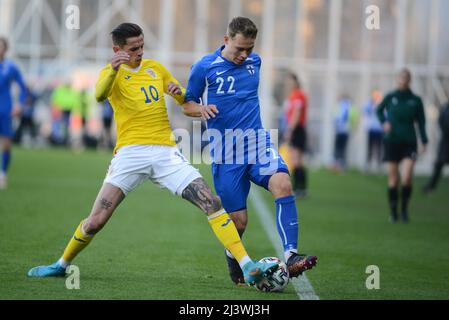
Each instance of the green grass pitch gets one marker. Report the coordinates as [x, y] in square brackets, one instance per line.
[157, 246]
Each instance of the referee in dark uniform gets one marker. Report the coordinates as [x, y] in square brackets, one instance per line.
[398, 112]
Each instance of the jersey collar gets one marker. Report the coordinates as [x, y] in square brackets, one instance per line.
[133, 70]
[218, 54]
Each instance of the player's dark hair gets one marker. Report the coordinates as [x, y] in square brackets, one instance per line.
[295, 79]
[124, 31]
[5, 42]
[243, 26]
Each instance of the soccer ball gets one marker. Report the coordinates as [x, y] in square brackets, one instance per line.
[278, 280]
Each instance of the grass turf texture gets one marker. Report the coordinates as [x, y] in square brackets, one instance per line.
[157, 246]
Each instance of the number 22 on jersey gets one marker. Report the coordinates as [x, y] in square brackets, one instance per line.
[221, 84]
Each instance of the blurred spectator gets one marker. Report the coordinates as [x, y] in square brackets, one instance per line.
[342, 123]
[83, 108]
[374, 129]
[443, 150]
[88, 140]
[27, 117]
[295, 134]
[107, 115]
[64, 100]
[9, 73]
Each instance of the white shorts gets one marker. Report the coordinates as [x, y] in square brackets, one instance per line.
[163, 165]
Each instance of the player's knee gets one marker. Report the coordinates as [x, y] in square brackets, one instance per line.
[240, 225]
[407, 181]
[284, 187]
[393, 180]
[240, 221]
[6, 147]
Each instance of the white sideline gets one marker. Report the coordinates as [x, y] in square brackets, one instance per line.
[302, 285]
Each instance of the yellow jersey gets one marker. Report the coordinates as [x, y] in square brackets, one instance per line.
[137, 98]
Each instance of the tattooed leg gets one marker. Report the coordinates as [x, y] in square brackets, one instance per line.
[107, 201]
[105, 204]
[199, 193]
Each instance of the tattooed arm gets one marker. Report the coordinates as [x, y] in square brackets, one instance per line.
[199, 193]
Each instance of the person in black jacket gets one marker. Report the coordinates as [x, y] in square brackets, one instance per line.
[443, 150]
[399, 111]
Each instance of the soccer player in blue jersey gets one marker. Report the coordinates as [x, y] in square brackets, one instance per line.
[227, 83]
[9, 73]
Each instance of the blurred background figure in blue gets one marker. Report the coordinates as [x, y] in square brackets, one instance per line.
[27, 124]
[375, 132]
[342, 128]
[9, 73]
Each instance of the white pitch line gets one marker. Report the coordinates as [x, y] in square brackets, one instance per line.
[302, 285]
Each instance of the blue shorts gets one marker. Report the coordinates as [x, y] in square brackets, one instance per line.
[6, 125]
[233, 181]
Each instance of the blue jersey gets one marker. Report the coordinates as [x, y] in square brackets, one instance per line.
[29, 105]
[342, 124]
[9, 72]
[373, 123]
[231, 87]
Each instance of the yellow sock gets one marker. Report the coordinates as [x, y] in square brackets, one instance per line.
[225, 230]
[77, 243]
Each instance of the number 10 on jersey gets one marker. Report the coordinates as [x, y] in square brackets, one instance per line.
[153, 93]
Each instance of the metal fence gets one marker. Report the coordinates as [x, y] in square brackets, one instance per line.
[327, 42]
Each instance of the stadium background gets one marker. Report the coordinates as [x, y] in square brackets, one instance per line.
[345, 222]
[325, 42]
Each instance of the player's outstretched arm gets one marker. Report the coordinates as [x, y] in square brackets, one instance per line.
[193, 109]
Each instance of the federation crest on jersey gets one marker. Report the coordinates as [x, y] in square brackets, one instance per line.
[251, 69]
[151, 72]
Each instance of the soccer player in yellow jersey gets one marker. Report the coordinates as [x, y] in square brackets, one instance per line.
[145, 150]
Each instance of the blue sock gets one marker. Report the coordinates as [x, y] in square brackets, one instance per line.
[6, 157]
[287, 222]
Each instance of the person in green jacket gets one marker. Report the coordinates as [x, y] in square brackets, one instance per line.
[65, 99]
[399, 111]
